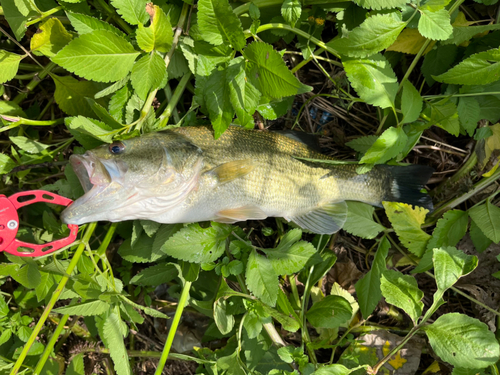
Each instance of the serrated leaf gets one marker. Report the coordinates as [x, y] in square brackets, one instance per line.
[487, 218]
[449, 230]
[375, 34]
[291, 11]
[438, 61]
[113, 338]
[362, 144]
[218, 23]
[132, 11]
[6, 164]
[402, 291]
[490, 107]
[479, 69]
[411, 103]
[480, 241]
[103, 114]
[9, 64]
[155, 275]
[84, 24]
[198, 245]
[450, 265]
[90, 127]
[89, 308]
[216, 96]
[275, 108]
[101, 56]
[464, 33]
[268, 73]
[410, 41]
[445, 115]
[261, 279]
[380, 4]
[118, 102]
[469, 114]
[28, 145]
[463, 341]
[71, 94]
[76, 366]
[368, 288]
[147, 74]
[16, 18]
[330, 312]
[28, 275]
[50, 38]
[159, 35]
[407, 221]
[373, 79]
[360, 220]
[435, 25]
[387, 146]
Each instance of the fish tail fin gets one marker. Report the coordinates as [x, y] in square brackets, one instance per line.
[406, 185]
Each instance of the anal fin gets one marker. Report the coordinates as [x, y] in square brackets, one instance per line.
[326, 219]
[232, 170]
[233, 215]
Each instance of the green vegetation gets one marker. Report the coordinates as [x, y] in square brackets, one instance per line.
[414, 81]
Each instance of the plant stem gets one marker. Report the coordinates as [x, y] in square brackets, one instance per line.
[34, 83]
[44, 15]
[55, 296]
[305, 334]
[173, 327]
[179, 90]
[50, 345]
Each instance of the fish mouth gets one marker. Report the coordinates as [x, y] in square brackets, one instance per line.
[101, 181]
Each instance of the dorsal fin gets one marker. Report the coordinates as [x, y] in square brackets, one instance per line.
[232, 170]
[326, 219]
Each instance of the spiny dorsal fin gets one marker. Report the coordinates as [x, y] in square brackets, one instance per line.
[326, 219]
[232, 170]
[233, 215]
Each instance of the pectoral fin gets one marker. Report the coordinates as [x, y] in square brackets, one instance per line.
[233, 215]
[232, 170]
[326, 219]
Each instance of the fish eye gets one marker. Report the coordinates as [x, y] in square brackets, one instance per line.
[116, 148]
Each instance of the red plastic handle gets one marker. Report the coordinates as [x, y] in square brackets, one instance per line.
[9, 224]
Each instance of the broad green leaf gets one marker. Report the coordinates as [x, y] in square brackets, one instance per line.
[261, 279]
[435, 5]
[291, 11]
[332, 370]
[490, 108]
[28, 275]
[159, 35]
[216, 95]
[28, 145]
[267, 71]
[155, 275]
[487, 218]
[435, 25]
[464, 33]
[362, 144]
[218, 23]
[16, 18]
[118, 102]
[380, 4]
[402, 291]
[50, 38]
[330, 312]
[445, 115]
[90, 127]
[469, 113]
[71, 94]
[76, 366]
[6, 164]
[479, 69]
[113, 339]
[84, 24]
[103, 114]
[463, 341]
[411, 103]
[223, 320]
[375, 34]
[450, 265]
[480, 241]
[373, 79]
[196, 244]
[88, 308]
[360, 220]
[449, 230]
[288, 322]
[368, 288]
[9, 64]
[101, 56]
[410, 41]
[407, 221]
[132, 11]
[275, 108]
[147, 74]
[112, 88]
[387, 146]
[438, 61]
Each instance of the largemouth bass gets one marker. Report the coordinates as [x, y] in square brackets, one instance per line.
[184, 175]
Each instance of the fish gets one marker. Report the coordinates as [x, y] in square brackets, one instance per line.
[185, 175]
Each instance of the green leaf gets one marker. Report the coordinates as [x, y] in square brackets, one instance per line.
[330, 312]
[407, 221]
[9, 64]
[6, 164]
[480, 241]
[113, 339]
[445, 115]
[469, 114]
[435, 25]
[155, 275]
[362, 144]
[16, 18]
[373, 79]
[71, 94]
[261, 279]
[380, 4]
[402, 291]
[291, 11]
[132, 11]
[291, 255]
[118, 102]
[375, 34]
[84, 24]
[103, 114]
[360, 220]
[218, 23]
[487, 218]
[147, 74]
[28, 145]
[438, 61]
[464, 33]
[196, 244]
[89, 308]
[275, 108]
[368, 288]
[28, 275]
[411, 103]
[449, 230]
[101, 56]
[267, 71]
[479, 69]
[50, 38]
[90, 127]
[76, 366]
[463, 341]
[223, 320]
[332, 370]
[217, 98]
[159, 35]
[387, 146]
[450, 265]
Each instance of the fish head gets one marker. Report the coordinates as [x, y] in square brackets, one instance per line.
[130, 179]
